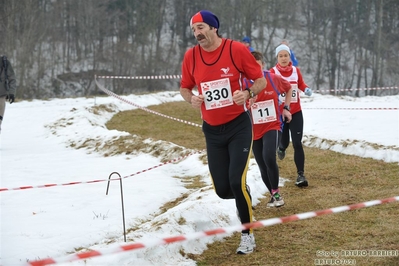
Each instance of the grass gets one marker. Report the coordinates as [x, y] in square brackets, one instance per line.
[148, 125]
[334, 180]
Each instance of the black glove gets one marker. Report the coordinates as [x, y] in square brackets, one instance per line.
[10, 97]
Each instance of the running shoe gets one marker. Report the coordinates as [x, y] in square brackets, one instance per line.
[280, 153]
[247, 244]
[275, 201]
[301, 180]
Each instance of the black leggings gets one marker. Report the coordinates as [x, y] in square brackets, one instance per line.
[296, 129]
[228, 150]
[264, 150]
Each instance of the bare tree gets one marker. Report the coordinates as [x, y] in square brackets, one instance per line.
[57, 46]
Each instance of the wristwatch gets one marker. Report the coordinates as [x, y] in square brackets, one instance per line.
[251, 93]
[287, 107]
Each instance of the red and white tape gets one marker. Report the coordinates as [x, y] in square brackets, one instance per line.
[100, 180]
[193, 236]
[357, 89]
[179, 77]
[352, 108]
[142, 77]
[151, 111]
[110, 93]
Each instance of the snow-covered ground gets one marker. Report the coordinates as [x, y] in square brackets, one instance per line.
[36, 150]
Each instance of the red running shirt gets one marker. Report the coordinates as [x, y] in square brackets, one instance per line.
[266, 113]
[217, 77]
[294, 77]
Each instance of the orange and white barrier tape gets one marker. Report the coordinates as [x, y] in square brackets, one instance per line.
[142, 77]
[351, 108]
[99, 180]
[193, 236]
[180, 76]
[110, 93]
[359, 89]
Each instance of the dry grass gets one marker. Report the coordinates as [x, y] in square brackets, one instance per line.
[334, 180]
[149, 125]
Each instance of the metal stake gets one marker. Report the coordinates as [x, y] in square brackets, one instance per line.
[123, 208]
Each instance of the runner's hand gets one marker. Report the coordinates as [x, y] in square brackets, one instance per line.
[240, 97]
[196, 101]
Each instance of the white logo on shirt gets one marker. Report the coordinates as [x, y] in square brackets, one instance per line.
[225, 70]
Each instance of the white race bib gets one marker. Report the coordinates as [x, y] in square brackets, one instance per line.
[263, 112]
[294, 98]
[217, 93]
